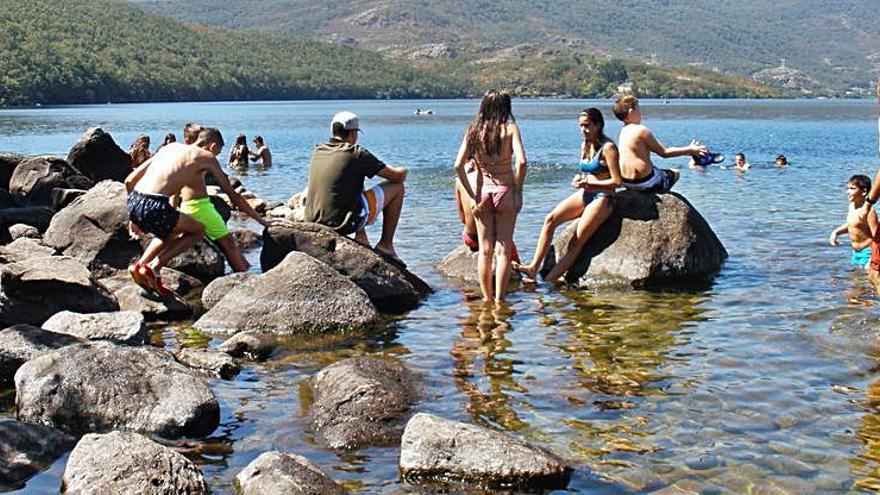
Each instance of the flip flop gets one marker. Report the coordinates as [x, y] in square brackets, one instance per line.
[155, 281]
[390, 257]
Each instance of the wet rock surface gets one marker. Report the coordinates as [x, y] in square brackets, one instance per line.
[99, 386]
[129, 463]
[280, 473]
[33, 179]
[98, 156]
[37, 288]
[122, 327]
[650, 239]
[218, 364]
[392, 289]
[361, 401]
[299, 295]
[94, 229]
[21, 343]
[26, 449]
[251, 344]
[433, 448]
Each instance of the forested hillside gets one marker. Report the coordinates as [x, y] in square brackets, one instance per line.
[81, 51]
[826, 46]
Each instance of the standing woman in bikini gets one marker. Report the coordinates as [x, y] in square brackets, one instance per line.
[490, 141]
[591, 203]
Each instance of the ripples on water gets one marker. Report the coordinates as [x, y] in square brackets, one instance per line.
[767, 381]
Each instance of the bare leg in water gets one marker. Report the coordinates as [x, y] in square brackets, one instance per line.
[593, 217]
[568, 209]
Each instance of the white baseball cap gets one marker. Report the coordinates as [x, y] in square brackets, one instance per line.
[349, 121]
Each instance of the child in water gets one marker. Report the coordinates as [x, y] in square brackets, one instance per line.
[860, 223]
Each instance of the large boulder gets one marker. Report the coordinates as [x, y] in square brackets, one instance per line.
[276, 473]
[122, 327]
[460, 265]
[130, 464]
[391, 288]
[23, 249]
[37, 288]
[219, 287]
[8, 163]
[300, 295]
[361, 401]
[99, 386]
[98, 156]
[434, 448]
[34, 179]
[650, 239]
[21, 343]
[94, 229]
[27, 449]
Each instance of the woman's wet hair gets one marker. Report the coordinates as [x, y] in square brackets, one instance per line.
[484, 133]
[241, 140]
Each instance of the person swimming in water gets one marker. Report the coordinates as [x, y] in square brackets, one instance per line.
[590, 205]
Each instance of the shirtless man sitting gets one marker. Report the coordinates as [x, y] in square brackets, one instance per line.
[178, 169]
[637, 142]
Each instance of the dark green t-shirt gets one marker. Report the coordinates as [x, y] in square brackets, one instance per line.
[336, 181]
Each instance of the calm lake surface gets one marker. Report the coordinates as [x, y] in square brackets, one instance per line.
[767, 381]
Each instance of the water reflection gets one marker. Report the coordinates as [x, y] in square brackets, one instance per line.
[483, 367]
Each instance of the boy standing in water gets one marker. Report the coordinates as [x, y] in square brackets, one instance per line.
[858, 225]
[637, 142]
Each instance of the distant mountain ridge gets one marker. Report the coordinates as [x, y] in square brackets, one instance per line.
[827, 47]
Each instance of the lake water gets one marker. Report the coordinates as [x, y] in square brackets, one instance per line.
[765, 382]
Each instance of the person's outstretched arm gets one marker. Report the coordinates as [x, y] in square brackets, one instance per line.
[656, 147]
[236, 199]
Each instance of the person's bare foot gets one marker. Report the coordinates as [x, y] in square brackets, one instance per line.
[528, 270]
[390, 256]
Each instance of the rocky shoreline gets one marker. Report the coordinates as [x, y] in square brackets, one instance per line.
[75, 344]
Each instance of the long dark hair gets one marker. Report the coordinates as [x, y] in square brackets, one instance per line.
[484, 133]
[594, 115]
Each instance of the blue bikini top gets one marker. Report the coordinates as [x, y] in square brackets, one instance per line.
[594, 166]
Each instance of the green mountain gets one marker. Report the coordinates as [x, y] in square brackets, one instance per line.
[805, 45]
[84, 51]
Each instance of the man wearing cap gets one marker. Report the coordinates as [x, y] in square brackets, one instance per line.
[336, 194]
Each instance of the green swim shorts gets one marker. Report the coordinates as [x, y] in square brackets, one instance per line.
[204, 212]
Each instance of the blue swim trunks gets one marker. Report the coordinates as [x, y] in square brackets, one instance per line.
[861, 257]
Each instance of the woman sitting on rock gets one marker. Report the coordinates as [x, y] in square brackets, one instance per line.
[490, 141]
[591, 203]
[140, 151]
[238, 155]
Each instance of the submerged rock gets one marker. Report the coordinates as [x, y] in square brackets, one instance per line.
[37, 288]
[300, 295]
[434, 448]
[98, 156]
[26, 449]
[99, 386]
[361, 401]
[279, 473]
[250, 344]
[122, 327]
[650, 239]
[21, 343]
[129, 463]
[391, 288]
[33, 179]
[94, 229]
